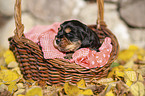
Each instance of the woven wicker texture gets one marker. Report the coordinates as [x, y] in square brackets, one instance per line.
[57, 71]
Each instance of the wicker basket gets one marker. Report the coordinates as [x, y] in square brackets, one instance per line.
[57, 71]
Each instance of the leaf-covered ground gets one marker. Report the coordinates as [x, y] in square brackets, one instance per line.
[126, 78]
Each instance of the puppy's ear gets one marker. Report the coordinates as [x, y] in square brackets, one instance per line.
[91, 39]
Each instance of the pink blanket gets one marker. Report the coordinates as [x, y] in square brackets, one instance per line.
[90, 58]
[45, 35]
[84, 56]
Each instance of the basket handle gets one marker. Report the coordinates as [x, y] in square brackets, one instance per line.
[17, 15]
[20, 27]
[100, 19]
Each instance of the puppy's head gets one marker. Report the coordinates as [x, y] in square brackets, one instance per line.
[73, 35]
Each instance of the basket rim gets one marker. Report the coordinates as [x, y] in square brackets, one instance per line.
[63, 62]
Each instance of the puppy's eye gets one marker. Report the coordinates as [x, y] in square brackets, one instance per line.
[59, 29]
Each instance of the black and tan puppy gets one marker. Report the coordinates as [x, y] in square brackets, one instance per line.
[73, 35]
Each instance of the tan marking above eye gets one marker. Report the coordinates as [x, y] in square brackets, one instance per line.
[67, 30]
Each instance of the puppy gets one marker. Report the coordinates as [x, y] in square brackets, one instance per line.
[73, 35]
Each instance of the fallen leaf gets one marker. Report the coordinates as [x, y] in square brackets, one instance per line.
[19, 92]
[9, 56]
[133, 48]
[128, 82]
[117, 71]
[12, 87]
[2, 67]
[104, 81]
[13, 64]
[131, 75]
[129, 64]
[121, 68]
[87, 92]
[81, 83]
[137, 89]
[20, 85]
[141, 70]
[3, 87]
[1, 83]
[128, 69]
[140, 77]
[110, 93]
[111, 74]
[8, 76]
[140, 54]
[17, 70]
[34, 91]
[125, 55]
[71, 90]
[20, 95]
[52, 90]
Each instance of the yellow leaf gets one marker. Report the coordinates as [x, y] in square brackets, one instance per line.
[2, 67]
[12, 87]
[1, 83]
[20, 95]
[141, 70]
[128, 69]
[125, 55]
[119, 73]
[121, 68]
[9, 56]
[140, 57]
[71, 90]
[81, 83]
[141, 54]
[104, 81]
[19, 92]
[140, 78]
[34, 91]
[129, 64]
[8, 76]
[128, 82]
[20, 85]
[3, 87]
[137, 89]
[110, 93]
[17, 70]
[13, 64]
[133, 48]
[110, 75]
[135, 67]
[131, 75]
[87, 92]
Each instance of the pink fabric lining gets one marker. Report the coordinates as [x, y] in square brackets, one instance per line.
[90, 58]
[83, 57]
[45, 35]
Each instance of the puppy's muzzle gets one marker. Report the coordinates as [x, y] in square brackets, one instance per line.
[65, 45]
